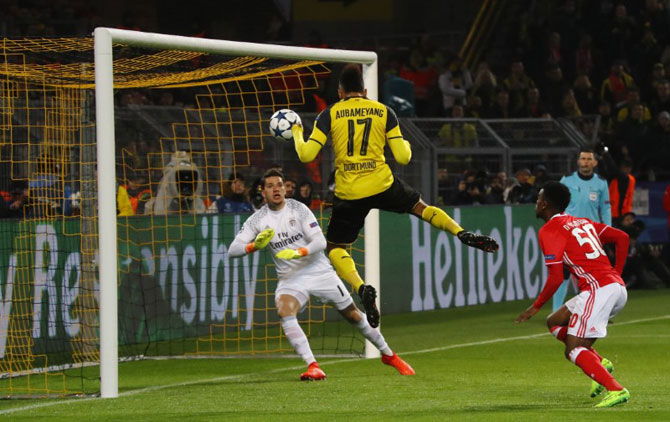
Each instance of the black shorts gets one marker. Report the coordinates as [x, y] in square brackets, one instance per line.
[348, 216]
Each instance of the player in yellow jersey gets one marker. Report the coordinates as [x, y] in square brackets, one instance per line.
[360, 128]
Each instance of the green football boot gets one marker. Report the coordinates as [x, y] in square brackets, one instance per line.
[597, 389]
[614, 397]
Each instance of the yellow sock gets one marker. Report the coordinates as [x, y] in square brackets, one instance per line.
[439, 219]
[345, 267]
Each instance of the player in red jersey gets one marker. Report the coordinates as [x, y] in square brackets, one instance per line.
[577, 244]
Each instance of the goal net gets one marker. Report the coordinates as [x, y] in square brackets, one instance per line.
[114, 196]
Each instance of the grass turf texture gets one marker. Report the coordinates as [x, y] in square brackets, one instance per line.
[472, 363]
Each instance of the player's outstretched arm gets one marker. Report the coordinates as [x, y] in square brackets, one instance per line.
[307, 151]
[479, 241]
[554, 280]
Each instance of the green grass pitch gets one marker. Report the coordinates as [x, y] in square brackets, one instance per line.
[472, 364]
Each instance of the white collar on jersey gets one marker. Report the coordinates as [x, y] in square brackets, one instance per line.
[560, 214]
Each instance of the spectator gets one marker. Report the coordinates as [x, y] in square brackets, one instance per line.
[500, 109]
[653, 152]
[553, 53]
[646, 53]
[534, 106]
[16, 205]
[304, 193]
[632, 98]
[123, 206]
[615, 87]
[622, 29]
[585, 95]
[650, 85]
[517, 84]
[540, 176]
[643, 260]
[424, 78]
[454, 84]
[457, 134]
[255, 194]
[631, 134]
[523, 192]
[444, 189]
[569, 106]
[289, 185]
[607, 124]
[621, 190]
[586, 57]
[661, 99]
[461, 195]
[553, 88]
[180, 190]
[475, 108]
[237, 200]
[494, 194]
[485, 86]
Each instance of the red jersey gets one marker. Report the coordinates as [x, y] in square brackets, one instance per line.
[578, 244]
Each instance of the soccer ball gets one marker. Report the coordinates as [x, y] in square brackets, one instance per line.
[281, 123]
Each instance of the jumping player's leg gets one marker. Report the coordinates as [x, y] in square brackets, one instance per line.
[287, 309]
[436, 217]
[355, 317]
[344, 264]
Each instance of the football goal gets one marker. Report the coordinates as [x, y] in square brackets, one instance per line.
[113, 152]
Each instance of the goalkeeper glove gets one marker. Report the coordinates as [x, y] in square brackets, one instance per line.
[292, 253]
[261, 240]
[485, 243]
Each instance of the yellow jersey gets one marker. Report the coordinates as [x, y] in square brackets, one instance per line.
[359, 129]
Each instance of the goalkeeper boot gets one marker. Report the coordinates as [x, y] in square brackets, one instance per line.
[368, 294]
[597, 389]
[399, 364]
[313, 373]
[614, 397]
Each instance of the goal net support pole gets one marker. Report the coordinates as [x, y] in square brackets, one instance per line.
[105, 139]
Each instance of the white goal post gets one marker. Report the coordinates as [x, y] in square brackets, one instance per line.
[105, 139]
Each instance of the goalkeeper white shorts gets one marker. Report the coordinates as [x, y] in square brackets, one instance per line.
[592, 310]
[328, 288]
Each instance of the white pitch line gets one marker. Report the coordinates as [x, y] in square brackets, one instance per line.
[294, 368]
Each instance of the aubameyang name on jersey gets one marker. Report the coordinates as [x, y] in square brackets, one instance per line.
[365, 165]
[286, 241]
[359, 112]
[572, 224]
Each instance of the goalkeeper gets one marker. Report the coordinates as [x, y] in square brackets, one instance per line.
[360, 128]
[290, 230]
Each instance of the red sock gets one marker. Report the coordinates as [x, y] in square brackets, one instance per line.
[560, 332]
[590, 364]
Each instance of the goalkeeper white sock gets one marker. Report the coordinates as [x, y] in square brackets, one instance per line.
[297, 338]
[374, 335]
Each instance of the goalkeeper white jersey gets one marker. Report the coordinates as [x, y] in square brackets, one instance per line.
[295, 227]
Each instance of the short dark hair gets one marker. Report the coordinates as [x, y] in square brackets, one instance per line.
[587, 148]
[351, 78]
[557, 195]
[273, 172]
